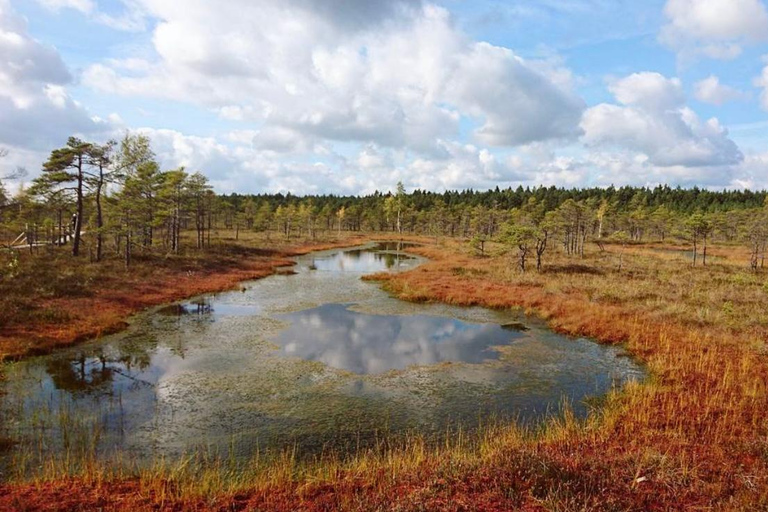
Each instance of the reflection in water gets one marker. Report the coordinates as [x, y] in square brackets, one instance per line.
[196, 308]
[98, 372]
[515, 326]
[362, 343]
[397, 246]
[204, 308]
[205, 372]
[84, 374]
[380, 257]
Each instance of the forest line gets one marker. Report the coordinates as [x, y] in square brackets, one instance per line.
[114, 199]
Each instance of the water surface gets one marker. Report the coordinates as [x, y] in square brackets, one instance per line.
[315, 361]
[369, 344]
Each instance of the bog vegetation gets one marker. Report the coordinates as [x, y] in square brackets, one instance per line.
[676, 274]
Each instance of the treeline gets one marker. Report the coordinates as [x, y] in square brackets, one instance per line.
[677, 199]
[115, 199]
[108, 197]
[538, 219]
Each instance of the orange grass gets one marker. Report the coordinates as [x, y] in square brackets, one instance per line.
[57, 302]
[694, 437]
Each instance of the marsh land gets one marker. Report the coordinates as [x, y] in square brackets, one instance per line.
[580, 386]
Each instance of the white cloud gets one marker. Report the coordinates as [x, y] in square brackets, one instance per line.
[655, 122]
[751, 174]
[132, 18]
[649, 91]
[519, 104]
[463, 166]
[239, 165]
[396, 73]
[714, 28]
[36, 110]
[352, 97]
[710, 90]
[22, 59]
[235, 164]
[762, 81]
[175, 149]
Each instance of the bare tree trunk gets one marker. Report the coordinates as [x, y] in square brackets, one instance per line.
[541, 246]
[210, 222]
[695, 249]
[176, 228]
[79, 219]
[99, 216]
[28, 235]
[128, 249]
[522, 257]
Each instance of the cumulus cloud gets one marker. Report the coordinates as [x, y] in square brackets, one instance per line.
[710, 90]
[352, 97]
[519, 104]
[751, 174]
[654, 121]
[648, 91]
[359, 14]
[25, 60]
[396, 73]
[36, 110]
[237, 164]
[175, 149]
[464, 166]
[714, 28]
[762, 82]
[648, 137]
[132, 18]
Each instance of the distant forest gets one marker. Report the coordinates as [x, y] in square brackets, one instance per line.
[114, 199]
[676, 199]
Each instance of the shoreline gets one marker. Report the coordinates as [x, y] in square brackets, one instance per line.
[106, 310]
[687, 437]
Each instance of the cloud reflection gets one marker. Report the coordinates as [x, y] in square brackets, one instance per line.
[362, 260]
[364, 343]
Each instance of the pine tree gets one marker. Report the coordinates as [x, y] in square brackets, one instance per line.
[66, 171]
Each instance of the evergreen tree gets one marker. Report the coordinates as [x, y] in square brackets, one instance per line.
[67, 171]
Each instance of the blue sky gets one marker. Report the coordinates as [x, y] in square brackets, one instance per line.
[353, 96]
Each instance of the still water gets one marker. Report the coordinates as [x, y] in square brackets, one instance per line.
[314, 361]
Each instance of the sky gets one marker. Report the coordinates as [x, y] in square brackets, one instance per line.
[352, 96]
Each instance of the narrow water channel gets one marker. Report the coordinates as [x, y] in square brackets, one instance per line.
[319, 360]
